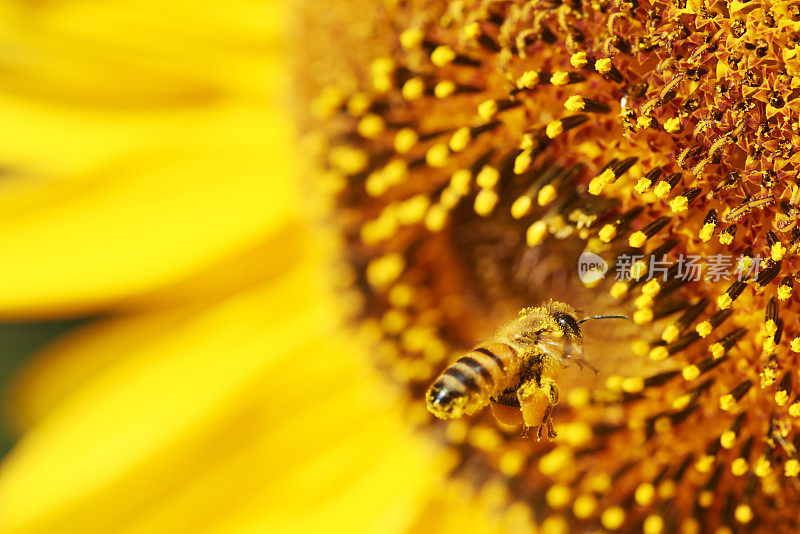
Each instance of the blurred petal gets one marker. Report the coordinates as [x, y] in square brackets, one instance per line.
[135, 162]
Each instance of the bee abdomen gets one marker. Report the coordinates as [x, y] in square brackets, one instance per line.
[468, 383]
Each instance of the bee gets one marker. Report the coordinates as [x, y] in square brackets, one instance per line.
[515, 369]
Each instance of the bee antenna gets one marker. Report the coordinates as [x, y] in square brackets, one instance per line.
[603, 317]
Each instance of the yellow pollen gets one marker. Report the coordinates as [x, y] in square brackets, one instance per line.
[739, 466]
[358, 104]
[653, 524]
[536, 233]
[578, 397]
[706, 231]
[681, 402]
[574, 434]
[375, 184]
[637, 239]
[643, 316]
[326, 104]
[724, 301]
[555, 524]
[794, 409]
[371, 126]
[643, 122]
[726, 402]
[725, 238]
[633, 384]
[727, 439]
[578, 60]
[743, 513]
[437, 155]
[511, 463]
[704, 463]
[413, 89]
[575, 103]
[554, 129]
[717, 350]
[436, 218]
[596, 186]
[472, 30]
[644, 493]
[770, 327]
[659, 353]
[607, 177]
[670, 333]
[460, 180]
[690, 372]
[777, 251]
[619, 290]
[487, 109]
[643, 301]
[442, 55]
[603, 66]
[672, 125]
[349, 160]
[528, 80]
[560, 78]
[555, 460]
[584, 506]
[705, 498]
[791, 468]
[405, 140]
[401, 295]
[614, 383]
[381, 70]
[638, 269]
[794, 344]
[651, 288]
[600, 482]
[642, 185]
[444, 89]
[679, 204]
[522, 162]
[558, 496]
[460, 139]
[613, 517]
[394, 321]
[384, 270]
[546, 195]
[485, 201]
[704, 328]
[781, 397]
[521, 207]
[411, 38]
[607, 233]
[768, 345]
[784, 292]
[690, 525]
[662, 189]
[485, 438]
[666, 490]
[488, 176]
[763, 467]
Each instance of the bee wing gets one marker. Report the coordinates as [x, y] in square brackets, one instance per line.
[567, 351]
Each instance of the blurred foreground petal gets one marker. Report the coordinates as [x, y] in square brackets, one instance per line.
[214, 413]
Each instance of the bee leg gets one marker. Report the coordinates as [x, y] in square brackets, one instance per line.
[536, 403]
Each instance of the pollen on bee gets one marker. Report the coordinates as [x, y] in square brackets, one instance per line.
[791, 468]
[612, 518]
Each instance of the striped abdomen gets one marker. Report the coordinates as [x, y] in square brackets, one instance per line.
[467, 385]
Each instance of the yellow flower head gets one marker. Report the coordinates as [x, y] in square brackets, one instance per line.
[651, 126]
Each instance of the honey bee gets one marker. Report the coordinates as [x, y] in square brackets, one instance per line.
[515, 369]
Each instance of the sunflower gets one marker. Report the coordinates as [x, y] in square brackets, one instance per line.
[199, 379]
[482, 150]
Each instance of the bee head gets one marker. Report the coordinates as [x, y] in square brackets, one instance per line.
[568, 324]
[444, 402]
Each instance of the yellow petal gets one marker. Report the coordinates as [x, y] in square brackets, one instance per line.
[145, 424]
